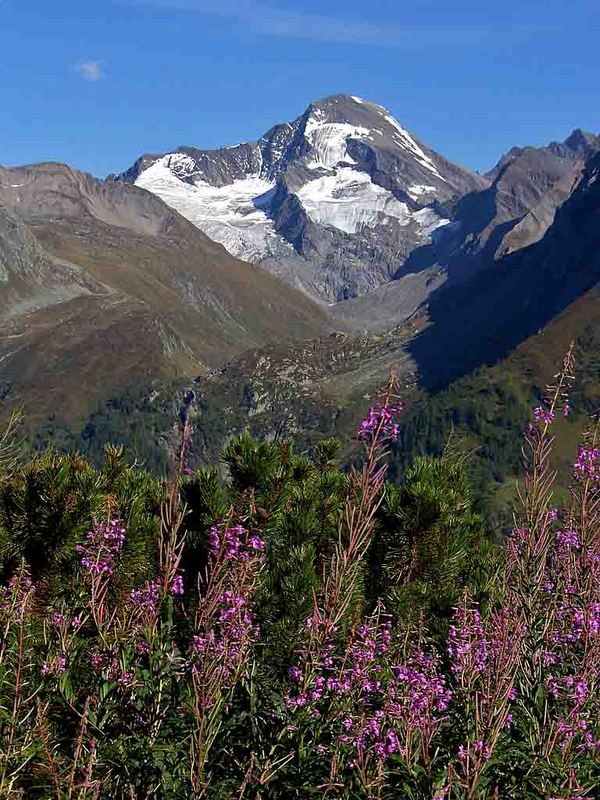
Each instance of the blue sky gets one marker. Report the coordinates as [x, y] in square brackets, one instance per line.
[96, 83]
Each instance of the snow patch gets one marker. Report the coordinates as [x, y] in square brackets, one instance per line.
[429, 220]
[227, 214]
[404, 138]
[348, 200]
[328, 140]
[356, 99]
[419, 189]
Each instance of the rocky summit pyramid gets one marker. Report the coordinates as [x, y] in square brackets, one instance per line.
[334, 201]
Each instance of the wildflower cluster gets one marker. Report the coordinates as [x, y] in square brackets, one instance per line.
[354, 702]
[467, 644]
[108, 663]
[231, 635]
[377, 703]
[234, 544]
[61, 631]
[225, 626]
[146, 599]
[587, 463]
[15, 597]
[102, 543]
[381, 421]
[543, 415]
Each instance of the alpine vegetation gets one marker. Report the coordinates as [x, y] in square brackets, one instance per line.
[281, 628]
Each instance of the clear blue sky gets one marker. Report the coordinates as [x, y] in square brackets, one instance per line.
[96, 83]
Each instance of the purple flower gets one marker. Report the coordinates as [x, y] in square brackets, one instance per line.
[568, 539]
[142, 647]
[581, 691]
[234, 544]
[295, 674]
[17, 594]
[256, 543]
[176, 587]
[482, 750]
[146, 598]
[587, 463]
[468, 646]
[381, 420]
[125, 679]
[56, 666]
[103, 542]
[543, 415]
[97, 660]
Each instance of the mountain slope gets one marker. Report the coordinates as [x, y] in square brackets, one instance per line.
[527, 187]
[104, 285]
[479, 321]
[334, 201]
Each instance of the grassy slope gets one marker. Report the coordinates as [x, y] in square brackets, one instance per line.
[155, 300]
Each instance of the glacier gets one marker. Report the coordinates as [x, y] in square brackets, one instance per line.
[227, 214]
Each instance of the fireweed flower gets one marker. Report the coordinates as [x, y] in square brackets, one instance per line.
[543, 415]
[233, 631]
[76, 622]
[146, 599]
[96, 661]
[225, 625]
[587, 463]
[467, 645]
[234, 543]
[386, 706]
[568, 539]
[142, 647]
[15, 597]
[55, 666]
[102, 543]
[382, 419]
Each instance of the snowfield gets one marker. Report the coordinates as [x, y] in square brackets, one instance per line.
[226, 214]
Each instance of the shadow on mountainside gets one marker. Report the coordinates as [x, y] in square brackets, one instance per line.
[480, 321]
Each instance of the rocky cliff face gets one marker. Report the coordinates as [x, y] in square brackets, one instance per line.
[528, 186]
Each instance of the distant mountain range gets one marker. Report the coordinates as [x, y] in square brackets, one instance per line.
[339, 238]
[344, 199]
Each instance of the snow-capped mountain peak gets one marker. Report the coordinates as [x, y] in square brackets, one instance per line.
[344, 181]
